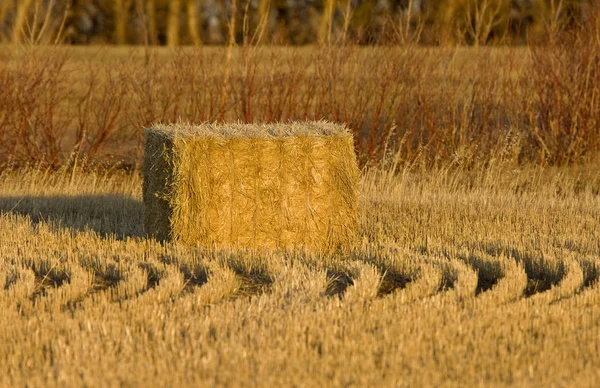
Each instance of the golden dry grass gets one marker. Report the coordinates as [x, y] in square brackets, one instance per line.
[460, 278]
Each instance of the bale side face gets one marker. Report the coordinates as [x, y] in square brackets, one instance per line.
[158, 178]
[262, 193]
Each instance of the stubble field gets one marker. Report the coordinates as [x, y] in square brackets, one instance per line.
[478, 259]
[490, 282]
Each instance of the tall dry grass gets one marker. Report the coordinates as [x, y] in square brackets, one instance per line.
[438, 106]
[535, 104]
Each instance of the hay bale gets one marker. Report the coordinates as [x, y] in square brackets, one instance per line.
[251, 186]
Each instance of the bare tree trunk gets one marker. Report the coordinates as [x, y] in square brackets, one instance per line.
[21, 20]
[173, 28]
[194, 22]
[263, 17]
[230, 45]
[326, 22]
[151, 15]
[4, 9]
[120, 22]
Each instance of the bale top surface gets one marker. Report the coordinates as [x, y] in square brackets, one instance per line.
[262, 131]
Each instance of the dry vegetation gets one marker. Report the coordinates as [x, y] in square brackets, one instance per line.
[485, 279]
[197, 22]
[64, 106]
[478, 258]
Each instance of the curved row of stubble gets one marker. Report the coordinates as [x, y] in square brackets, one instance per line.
[53, 278]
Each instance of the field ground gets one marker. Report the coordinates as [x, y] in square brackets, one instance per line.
[460, 278]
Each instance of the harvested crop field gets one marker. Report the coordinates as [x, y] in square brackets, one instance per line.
[468, 238]
[487, 278]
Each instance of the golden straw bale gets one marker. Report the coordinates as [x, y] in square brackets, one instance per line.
[273, 186]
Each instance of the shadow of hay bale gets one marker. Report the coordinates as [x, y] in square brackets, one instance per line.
[107, 215]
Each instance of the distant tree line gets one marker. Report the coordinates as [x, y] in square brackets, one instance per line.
[197, 22]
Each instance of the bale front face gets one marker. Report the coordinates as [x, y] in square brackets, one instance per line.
[250, 186]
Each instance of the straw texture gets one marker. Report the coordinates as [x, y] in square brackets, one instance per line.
[251, 186]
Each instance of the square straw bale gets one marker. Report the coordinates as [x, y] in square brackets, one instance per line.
[273, 186]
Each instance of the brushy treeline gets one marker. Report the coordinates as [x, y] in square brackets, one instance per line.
[198, 22]
[434, 106]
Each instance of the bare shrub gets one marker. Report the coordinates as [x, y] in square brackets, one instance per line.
[563, 110]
